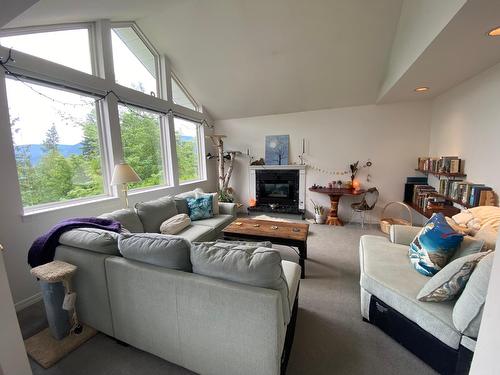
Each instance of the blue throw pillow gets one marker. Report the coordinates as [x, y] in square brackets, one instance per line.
[200, 208]
[434, 245]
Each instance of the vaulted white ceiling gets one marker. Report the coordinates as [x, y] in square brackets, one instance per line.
[242, 58]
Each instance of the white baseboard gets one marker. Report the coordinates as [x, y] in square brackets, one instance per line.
[21, 305]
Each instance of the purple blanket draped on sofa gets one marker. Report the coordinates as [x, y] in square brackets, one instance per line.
[44, 248]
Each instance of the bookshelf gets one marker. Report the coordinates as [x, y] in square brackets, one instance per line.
[448, 198]
[442, 174]
[446, 210]
[453, 190]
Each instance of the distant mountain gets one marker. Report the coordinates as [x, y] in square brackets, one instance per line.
[187, 138]
[37, 151]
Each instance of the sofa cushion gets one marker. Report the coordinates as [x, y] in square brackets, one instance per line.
[128, 219]
[259, 267]
[218, 222]
[182, 205]
[434, 245]
[175, 224]
[93, 239]
[153, 213]
[448, 283]
[291, 270]
[181, 202]
[197, 233]
[189, 194]
[386, 272]
[469, 245]
[468, 309]
[157, 249]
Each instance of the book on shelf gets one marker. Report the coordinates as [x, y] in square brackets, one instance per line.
[444, 187]
[454, 189]
[475, 195]
[466, 194]
[421, 194]
[456, 166]
[487, 198]
[428, 164]
[445, 163]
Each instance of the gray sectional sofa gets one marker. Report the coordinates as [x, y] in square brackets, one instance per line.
[206, 324]
[434, 331]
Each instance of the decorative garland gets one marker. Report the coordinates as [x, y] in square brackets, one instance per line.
[21, 78]
[325, 171]
[368, 164]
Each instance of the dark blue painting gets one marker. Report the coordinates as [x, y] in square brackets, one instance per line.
[277, 149]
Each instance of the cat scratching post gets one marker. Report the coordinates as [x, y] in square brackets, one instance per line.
[55, 282]
[65, 333]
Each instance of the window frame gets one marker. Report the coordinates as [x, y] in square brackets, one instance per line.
[159, 87]
[200, 138]
[186, 92]
[89, 26]
[102, 153]
[164, 145]
[61, 77]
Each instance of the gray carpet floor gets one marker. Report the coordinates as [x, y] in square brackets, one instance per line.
[330, 336]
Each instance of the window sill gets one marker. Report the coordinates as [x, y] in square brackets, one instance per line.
[192, 182]
[33, 212]
[151, 189]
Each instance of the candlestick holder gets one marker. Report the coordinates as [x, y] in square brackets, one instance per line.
[301, 158]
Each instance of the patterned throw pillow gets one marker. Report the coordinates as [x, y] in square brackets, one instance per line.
[434, 245]
[200, 208]
[451, 280]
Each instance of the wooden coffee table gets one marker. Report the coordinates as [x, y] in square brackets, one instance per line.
[277, 232]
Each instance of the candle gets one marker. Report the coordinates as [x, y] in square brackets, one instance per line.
[303, 146]
[248, 152]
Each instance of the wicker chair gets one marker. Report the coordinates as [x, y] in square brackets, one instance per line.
[368, 203]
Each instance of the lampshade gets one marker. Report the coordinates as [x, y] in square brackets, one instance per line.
[123, 174]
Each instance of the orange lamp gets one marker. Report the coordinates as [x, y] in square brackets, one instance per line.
[356, 185]
[252, 202]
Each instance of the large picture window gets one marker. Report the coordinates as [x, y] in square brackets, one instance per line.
[70, 48]
[134, 63]
[65, 131]
[142, 146]
[187, 138]
[56, 143]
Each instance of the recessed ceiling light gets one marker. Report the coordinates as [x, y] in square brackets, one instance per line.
[494, 32]
[421, 89]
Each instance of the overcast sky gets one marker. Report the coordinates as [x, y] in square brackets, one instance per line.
[37, 114]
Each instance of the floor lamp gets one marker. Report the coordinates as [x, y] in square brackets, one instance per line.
[123, 175]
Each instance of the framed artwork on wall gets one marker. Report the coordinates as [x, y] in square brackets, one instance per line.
[277, 149]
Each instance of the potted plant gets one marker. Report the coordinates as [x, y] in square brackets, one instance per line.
[319, 213]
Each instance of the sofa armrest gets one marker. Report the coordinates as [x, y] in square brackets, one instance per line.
[403, 234]
[226, 208]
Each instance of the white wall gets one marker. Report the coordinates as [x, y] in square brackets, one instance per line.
[392, 136]
[466, 122]
[419, 23]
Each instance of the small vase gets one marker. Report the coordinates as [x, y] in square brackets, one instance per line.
[320, 219]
